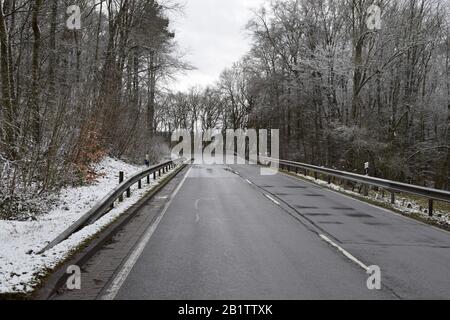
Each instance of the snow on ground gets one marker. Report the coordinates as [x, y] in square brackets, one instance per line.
[21, 267]
[407, 206]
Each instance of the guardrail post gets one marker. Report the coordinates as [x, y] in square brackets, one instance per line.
[154, 175]
[128, 192]
[315, 176]
[148, 179]
[121, 178]
[392, 197]
[329, 179]
[366, 190]
[430, 207]
[140, 184]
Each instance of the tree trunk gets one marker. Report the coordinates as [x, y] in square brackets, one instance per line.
[34, 94]
[6, 101]
[151, 96]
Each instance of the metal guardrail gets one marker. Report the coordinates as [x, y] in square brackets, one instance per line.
[391, 186]
[107, 204]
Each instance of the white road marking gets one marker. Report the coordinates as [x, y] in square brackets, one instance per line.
[272, 199]
[197, 207]
[248, 181]
[344, 252]
[197, 214]
[123, 274]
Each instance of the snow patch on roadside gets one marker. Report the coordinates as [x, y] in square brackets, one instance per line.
[21, 267]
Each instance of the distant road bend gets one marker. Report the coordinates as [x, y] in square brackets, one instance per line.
[226, 232]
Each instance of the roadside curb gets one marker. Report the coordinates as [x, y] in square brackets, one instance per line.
[59, 276]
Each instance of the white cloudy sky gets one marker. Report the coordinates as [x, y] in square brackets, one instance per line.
[212, 33]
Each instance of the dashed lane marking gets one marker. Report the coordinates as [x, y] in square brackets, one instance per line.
[272, 199]
[344, 252]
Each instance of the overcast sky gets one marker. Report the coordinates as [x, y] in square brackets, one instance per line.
[212, 33]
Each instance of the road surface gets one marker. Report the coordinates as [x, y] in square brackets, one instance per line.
[229, 233]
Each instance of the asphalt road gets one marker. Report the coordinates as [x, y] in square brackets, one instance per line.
[244, 236]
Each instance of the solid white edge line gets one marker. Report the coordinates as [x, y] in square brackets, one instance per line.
[272, 199]
[121, 277]
[344, 252]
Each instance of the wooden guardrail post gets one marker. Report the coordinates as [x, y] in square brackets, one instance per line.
[430, 207]
[366, 190]
[392, 197]
[121, 178]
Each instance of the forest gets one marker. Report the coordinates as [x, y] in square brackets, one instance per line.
[340, 93]
[71, 95]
